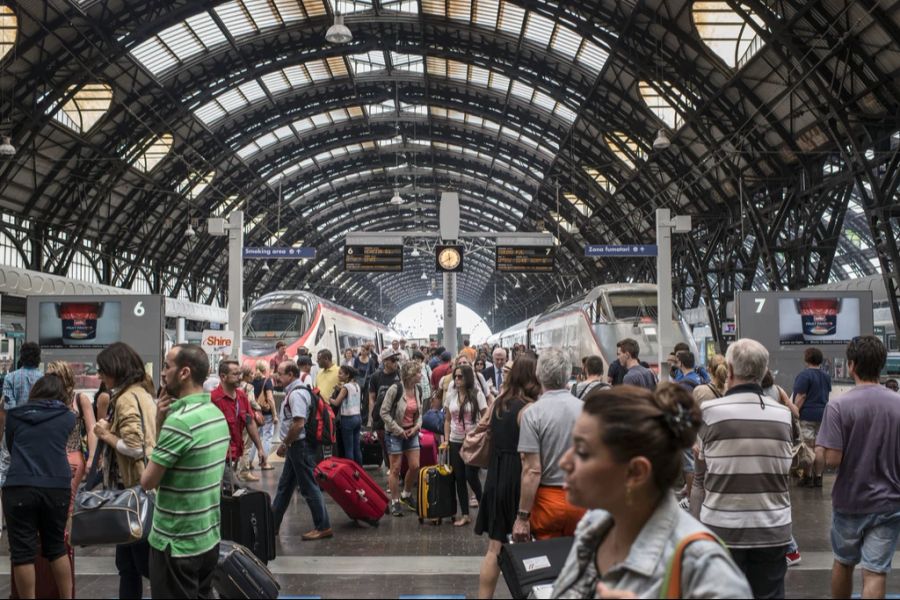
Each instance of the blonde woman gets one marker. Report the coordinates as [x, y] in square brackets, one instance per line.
[718, 374]
[264, 391]
[80, 404]
[402, 415]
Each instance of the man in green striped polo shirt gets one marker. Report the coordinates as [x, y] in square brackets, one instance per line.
[187, 466]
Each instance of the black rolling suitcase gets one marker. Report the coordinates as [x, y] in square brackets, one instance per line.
[533, 565]
[248, 520]
[239, 574]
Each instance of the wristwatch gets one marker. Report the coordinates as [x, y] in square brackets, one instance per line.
[523, 515]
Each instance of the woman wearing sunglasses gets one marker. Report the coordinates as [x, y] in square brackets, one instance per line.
[464, 408]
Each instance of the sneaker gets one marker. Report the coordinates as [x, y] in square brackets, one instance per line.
[396, 509]
[685, 504]
[409, 502]
[792, 558]
[317, 534]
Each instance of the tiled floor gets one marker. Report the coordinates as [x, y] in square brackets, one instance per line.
[402, 557]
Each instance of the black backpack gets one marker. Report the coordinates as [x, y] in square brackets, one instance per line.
[377, 422]
[587, 388]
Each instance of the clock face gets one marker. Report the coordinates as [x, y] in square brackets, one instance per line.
[449, 258]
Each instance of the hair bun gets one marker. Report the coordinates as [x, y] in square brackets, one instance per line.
[680, 413]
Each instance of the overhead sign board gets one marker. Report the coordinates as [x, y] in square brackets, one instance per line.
[279, 252]
[377, 259]
[624, 250]
[525, 259]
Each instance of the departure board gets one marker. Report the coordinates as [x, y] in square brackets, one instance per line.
[377, 259]
[526, 259]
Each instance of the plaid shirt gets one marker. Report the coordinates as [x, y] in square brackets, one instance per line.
[17, 386]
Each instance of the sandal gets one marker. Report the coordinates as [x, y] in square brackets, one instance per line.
[462, 521]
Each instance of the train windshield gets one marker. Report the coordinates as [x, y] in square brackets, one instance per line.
[275, 324]
[633, 306]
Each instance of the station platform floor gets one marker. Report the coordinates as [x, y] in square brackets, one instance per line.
[402, 558]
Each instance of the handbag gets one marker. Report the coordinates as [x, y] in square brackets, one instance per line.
[476, 448]
[671, 586]
[111, 517]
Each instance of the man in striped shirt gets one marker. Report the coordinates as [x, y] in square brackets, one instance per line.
[745, 456]
[187, 466]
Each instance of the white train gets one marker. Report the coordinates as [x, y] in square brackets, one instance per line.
[304, 319]
[592, 323]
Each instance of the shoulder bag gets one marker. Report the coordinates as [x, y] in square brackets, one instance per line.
[671, 587]
[108, 517]
[476, 448]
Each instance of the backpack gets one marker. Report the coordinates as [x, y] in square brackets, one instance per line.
[596, 384]
[320, 419]
[398, 394]
[377, 422]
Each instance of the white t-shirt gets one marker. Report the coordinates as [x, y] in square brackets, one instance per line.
[350, 405]
[459, 427]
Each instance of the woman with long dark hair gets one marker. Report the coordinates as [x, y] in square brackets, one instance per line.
[348, 404]
[500, 499]
[36, 493]
[464, 409]
[130, 435]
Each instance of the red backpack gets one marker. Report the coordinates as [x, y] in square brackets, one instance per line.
[320, 420]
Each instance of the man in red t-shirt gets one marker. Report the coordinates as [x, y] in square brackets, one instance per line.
[235, 405]
[442, 369]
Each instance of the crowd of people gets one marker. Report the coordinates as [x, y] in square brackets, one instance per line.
[629, 466]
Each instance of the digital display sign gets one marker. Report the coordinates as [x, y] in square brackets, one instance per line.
[377, 259]
[525, 259]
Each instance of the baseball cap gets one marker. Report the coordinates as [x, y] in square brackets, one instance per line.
[391, 356]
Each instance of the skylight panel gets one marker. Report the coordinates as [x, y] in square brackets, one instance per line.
[486, 13]
[206, 30]
[181, 41]
[661, 106]
[499, 82]
[314, 8]
[193, 185]
[566, 42]
[479, 76]
[232, 100]
[725, 32]
[538, 29]
[9, 27]
[303, 125]
[318, 70]
[624, 148]
[355, 112]
[460, 10]
[346, 7]
[154, 56]
[289, 10]
[252, 223]
[338, 66]
[276, 82]
[565, 113]
[544, 101]
[511, 18]
[577, 203]
[457, 70]
[297, 76]
[252, 91]
[154, 154]
[592, 57]
[262, 14]
[408, 62]
[210, 113]
[436, 66]
[522, 90]
[236, 18]
[320, 120]
[404, 6]
[85, 108]
[266, 140]
[368, 62]
[433, 7]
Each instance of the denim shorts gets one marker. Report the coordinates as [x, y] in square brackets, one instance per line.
[398, 445]
[867, 539]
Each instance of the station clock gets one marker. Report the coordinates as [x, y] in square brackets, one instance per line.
[449, 259]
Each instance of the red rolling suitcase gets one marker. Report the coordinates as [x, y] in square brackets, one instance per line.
[353, 489]
[428, 452]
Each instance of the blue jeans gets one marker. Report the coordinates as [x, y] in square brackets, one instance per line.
[299, 463]
[869, 539]
[350, 428]
[265, 436]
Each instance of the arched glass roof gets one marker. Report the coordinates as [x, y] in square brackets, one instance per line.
[85, 108]
[8, 30]
[726, 32]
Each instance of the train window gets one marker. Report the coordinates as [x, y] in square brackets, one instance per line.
[4, 346]
[274, 323]
[892, 342]
[628, 306]
[320, 332]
